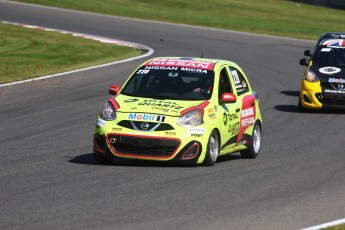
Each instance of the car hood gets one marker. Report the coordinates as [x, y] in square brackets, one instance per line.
[130, 104]
[329, 73]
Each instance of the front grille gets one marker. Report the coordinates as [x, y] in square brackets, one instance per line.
[332, 94]
[143, 146]
[149, 126]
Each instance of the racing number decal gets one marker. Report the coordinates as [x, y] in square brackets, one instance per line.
[248, 114]
[235, 76]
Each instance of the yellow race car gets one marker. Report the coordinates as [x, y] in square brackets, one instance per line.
[323, 83]
[179, 109]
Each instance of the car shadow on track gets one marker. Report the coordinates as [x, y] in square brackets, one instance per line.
[289, 108]
[87, 159]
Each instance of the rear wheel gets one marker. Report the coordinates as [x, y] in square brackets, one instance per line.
[212, 149]
[254, 143]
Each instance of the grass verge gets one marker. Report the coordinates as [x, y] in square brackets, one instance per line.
[275, 17]
[28, 53]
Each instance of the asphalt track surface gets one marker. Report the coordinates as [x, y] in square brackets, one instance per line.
[49, 179]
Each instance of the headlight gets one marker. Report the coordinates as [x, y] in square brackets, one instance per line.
[192, 118]
[108, 112]
[311, 77]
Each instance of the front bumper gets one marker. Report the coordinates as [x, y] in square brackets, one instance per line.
[147, 147]
[316, 96]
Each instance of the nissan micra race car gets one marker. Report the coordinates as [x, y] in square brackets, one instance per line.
[323, 83]
[188, 110]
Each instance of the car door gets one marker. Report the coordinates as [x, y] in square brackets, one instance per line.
[245, 101]
[230, 112]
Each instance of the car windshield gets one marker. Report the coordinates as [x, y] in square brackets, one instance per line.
[164, 82]
[330, 56]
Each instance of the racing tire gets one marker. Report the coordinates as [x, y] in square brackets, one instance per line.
[212, 150]
[301, 108]
[253, 147]
[103, 160]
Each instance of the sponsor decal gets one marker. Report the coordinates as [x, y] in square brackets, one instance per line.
[194, 70]
[247, 121]
[229, 117]
[212, 116]
[164, 104]
[139, 116]
[247, 112]
[215, 108]
[231, 120]
[238, 86]
[196, 135]
[247, 116]
[233, 128]
[336, 80]
[100, 122]
[210, 110]
[146, 117]
[329, 70]
[131, 100]
[334, 91]
[225, 119]
[181, 63]
[160, 118]
[143, 71]
[170, 133]
[162, 109]
[161, 67]
[117, 129]
[326, 49]
[196, 130]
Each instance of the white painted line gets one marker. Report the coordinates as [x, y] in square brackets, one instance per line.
[326, 225]
[149, 50]
[159, 22]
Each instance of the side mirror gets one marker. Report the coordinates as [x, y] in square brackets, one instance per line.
[228, 98]
[308, 53]
[304, 61]
[114, 89]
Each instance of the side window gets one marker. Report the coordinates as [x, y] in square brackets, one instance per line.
[240, 82]
[224, 83]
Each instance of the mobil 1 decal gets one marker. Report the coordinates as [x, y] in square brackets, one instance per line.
[248, 114]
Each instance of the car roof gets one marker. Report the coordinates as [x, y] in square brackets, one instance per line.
[331, 35]
[191, 62]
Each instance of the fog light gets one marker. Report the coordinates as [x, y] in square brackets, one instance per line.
[306, 99]
[191, 152]
[99, 143]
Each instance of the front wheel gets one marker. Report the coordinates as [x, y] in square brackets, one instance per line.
[212, 149]
[254, 143]
[300, 106]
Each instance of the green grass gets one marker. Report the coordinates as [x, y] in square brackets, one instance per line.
[339, 227]
[275, 17]
[28, 53]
